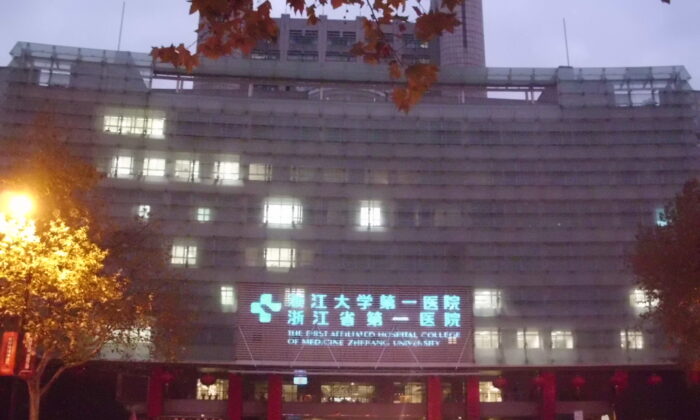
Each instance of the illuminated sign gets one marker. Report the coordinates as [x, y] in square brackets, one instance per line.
[354, 325]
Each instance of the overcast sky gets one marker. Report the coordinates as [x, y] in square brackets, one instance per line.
[519, 33]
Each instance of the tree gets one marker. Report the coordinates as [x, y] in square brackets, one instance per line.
[72, 281]
[666, 262]
[237, 25]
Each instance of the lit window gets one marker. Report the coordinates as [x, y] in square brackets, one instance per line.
[154, 167]
[528, 339]
[228, 299]
[134, 126]
[631, 339]
[122, 167]
[486, 339]
[294, 297]
[489, 393]
[203, 214]
[143, 211]
[259, 172]
[347, 392]
[217, 391]
[226, 172]
[660, 217]
[409, 392]
[187, 170]
[642, 302]
[184, 255]
[282, 212]
[487, 302]
[279, 258]
[370, 214]
[562, 339]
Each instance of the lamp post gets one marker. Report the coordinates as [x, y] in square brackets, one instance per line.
[15, 208]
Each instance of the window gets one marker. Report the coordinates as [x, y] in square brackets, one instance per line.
[370, 214]
[528, 339]
[348, 392]
[187, 170]
[134, 126]
[217, 391]
[487, 302]
[259, 172]
[489, 393]
[631, 339]
[154, 167]
[641, 302]
[203, 214]
[336, 175]
[280, 259]
[228, 299]
[226, 172]
[290, 393]
[184, 255]
[376, 176]
[486, 339]
[143, 211]
[300, 174]
[660, 217]
[408, 393]
[562, 339]
[282, 212]
[53, 73]
[122, 167]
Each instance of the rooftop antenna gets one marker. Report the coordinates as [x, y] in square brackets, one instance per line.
[566, 44]
[121, 26]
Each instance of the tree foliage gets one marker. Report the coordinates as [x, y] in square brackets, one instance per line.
[666, 262]
[72, 279]
[237, 25]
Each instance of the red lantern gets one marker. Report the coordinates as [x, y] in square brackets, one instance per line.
[620, 380]
[500, 382]
[578, 381]
[538, 381]
[654, 379]
[207, 379]
[167, 377]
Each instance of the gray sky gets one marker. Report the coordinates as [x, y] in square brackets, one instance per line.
[519, 33]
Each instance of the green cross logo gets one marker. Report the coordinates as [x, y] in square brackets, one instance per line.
[264, 308]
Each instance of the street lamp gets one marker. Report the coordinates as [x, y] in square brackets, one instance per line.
[15, 208]
[16, 205]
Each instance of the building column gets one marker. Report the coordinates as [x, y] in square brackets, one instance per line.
[434, 398]
[154, 405]
[274, 397]
[235, 397]
[548, 401]
[472, 400]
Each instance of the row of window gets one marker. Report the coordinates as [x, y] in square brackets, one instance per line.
[490, 338]
[487, 303]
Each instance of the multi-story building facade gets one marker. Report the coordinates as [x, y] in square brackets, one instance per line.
[464, 260]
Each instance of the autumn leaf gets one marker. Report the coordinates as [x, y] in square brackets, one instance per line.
[296, 5]
[311, 13]
[395, 70]
[419, 78]
[337, 3]
[434, 23]
[451, 5]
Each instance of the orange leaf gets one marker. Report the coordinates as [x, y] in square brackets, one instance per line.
[337, 3]
[434, 23]
[395, 70]
[296, 5]
[311, 13]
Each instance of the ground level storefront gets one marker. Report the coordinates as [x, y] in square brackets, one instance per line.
[184, 394]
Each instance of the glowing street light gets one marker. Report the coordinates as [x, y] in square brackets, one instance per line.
[17, 205]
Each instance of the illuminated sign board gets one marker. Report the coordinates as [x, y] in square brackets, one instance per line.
[333, 325]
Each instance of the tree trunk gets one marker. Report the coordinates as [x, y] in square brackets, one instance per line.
[34, 398]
